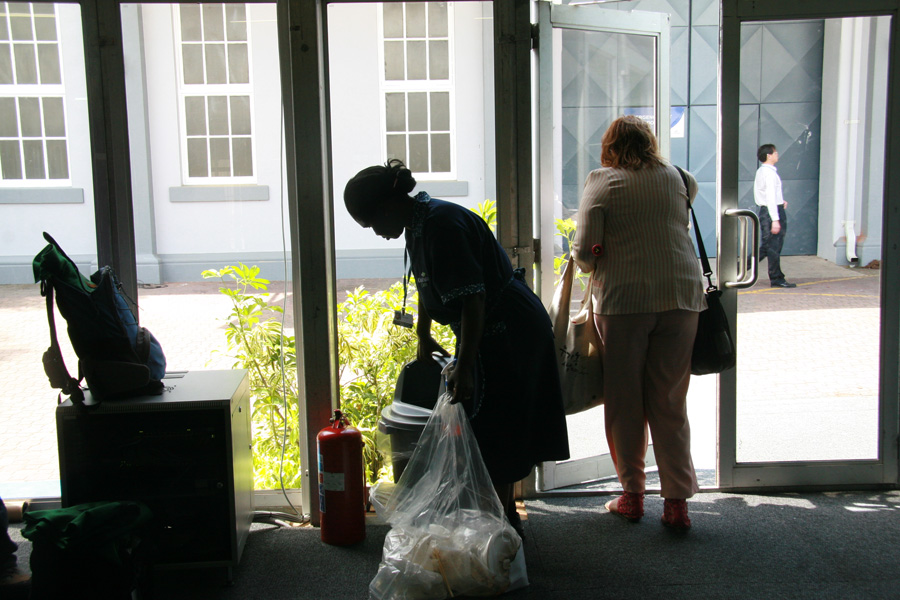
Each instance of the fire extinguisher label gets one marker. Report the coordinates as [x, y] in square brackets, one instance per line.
[333, 482]
[321, 486]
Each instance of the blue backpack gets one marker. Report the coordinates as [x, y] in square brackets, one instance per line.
[116, 357]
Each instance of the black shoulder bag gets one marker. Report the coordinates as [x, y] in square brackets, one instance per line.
[714, 349]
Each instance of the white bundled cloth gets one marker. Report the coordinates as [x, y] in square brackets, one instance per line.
[449, 535]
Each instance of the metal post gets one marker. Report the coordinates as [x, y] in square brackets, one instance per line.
[107, 112]
[301, 31]
[512, 106]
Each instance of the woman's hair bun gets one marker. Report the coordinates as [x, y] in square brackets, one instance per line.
[402, 179]
[405, 181]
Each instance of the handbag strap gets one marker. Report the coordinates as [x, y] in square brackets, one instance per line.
[704, 261]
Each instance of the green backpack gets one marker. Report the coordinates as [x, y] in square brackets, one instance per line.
[116, 357]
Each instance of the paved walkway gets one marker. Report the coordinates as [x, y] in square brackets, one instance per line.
[827, 331]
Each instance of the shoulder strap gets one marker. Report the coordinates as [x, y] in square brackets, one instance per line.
[704, 261]
[54, 365]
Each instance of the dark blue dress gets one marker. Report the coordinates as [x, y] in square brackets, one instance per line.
[517, 410]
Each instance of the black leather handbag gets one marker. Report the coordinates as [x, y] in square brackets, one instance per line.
[714, 349]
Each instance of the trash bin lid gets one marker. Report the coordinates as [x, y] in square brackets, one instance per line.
[420, 382]
[410, 410]
[391, 423]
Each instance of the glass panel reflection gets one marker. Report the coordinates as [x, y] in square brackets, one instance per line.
[418, 153]
[809, 356]
[48, 59]
[439, 59]
[54, 121]
[203, 198]
[418, 111]
[26, 68]
[395, 108]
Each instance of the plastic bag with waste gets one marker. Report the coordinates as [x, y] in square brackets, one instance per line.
[449, 534]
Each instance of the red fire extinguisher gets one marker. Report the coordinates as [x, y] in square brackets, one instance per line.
[341, 483]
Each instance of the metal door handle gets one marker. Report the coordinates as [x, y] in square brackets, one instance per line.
[748, 251]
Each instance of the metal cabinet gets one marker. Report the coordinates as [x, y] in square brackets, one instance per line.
[185, 453]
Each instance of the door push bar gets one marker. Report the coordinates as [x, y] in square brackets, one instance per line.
[748, 247]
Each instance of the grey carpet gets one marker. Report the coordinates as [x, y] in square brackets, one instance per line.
[804, 546]
[829, 545]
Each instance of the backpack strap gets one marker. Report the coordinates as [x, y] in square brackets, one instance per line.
[54, 365]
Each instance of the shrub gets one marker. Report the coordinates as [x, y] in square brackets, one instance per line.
[371, 351]
[257, 342]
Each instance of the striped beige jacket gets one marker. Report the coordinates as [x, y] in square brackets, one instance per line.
[641, 222]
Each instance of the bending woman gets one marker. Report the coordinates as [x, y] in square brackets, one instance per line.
[647, 293]
[505, 374]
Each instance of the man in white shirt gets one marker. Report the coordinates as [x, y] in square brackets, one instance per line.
[772, 216]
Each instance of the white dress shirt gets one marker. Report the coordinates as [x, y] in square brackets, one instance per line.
[767, 189]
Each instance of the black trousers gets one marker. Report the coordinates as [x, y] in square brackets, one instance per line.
[770, 245]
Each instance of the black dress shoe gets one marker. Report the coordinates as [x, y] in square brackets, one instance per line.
[782, 284]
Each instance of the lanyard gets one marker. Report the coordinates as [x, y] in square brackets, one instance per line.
[406, 277]
[400, 317]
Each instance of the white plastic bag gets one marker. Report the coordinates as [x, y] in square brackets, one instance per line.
[449, 534]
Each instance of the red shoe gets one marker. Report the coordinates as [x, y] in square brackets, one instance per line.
[675, 515]
[629, 505]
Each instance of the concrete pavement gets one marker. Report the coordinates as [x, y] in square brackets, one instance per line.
[824, 332]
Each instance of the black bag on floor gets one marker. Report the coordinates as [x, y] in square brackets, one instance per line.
[86, 552]
[116, 357]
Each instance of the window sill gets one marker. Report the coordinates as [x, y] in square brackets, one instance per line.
[219, 193]
[444, 189]
[42, 195]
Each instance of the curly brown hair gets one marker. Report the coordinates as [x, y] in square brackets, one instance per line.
[629, 143]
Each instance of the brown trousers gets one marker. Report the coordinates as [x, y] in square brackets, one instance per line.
[647, 370]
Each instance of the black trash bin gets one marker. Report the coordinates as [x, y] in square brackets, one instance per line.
[418, 388]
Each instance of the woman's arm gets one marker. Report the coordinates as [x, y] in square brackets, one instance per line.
[427, 344]
[462, 380]
[589, 229]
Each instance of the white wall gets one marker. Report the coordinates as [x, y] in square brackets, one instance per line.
[355, 111]
[213, 227]
[854, 104]
[356, 119]
[72, 225]
[196, 235]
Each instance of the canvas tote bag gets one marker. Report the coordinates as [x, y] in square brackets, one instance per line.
[577, 346]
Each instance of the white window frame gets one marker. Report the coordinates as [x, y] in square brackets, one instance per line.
[40, 91]
[207, 90]
[420, 85]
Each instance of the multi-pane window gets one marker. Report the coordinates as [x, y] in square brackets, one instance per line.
[215, 94]
[417, 86]
[33, 147]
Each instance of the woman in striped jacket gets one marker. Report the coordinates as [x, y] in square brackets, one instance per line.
[633, 236]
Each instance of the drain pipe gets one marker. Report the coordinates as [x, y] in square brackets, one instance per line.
[856, 39]
[850, 235]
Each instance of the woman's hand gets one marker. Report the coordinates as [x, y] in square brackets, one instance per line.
[461, 383]
[428, 346]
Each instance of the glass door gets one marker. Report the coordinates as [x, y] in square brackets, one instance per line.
[594, 65]
[46, 185]
[813, 399]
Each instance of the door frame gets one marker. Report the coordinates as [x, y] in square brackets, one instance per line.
[820, 474]
[551, 18]
[564, 16]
